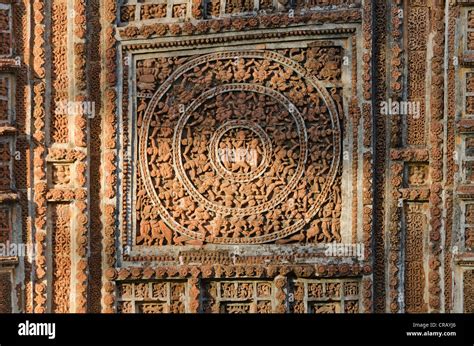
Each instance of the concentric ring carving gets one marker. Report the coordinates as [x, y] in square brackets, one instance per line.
[295, 141]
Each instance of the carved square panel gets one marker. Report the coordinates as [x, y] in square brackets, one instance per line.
[179, 10]
[238, 6]
[151, 11]
[240, 157]
[127, 13]
[232, 158]
[238, 296]
[153, 297]
[417, 174]
[325, 296]
[324, 308]
[60, 174]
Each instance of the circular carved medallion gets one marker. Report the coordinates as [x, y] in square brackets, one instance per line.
[239, 147]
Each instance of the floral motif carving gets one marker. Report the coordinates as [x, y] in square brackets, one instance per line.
[61, 246]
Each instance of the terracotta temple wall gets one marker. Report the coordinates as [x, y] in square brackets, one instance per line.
[173, 156]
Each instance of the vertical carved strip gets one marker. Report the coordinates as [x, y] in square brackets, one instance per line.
[280, 282]
[415, 277]
[367, 219]
[93, 69]
[40, 238]
[79, 91]
[109, 258]
[394, 237]
[451, 165]
[109, 119]
[396, 68]
[6, 37]
[5, 225]
[367, 45]
[39, 118]
[396, 171]
[59, 71]
[194, 293]
[380, 150]
[5, 293]
[61, 253]
[436, 156]
[355, 113]
[468, 284]
[126, 160]
[367, 167]
[417, 36]
[81, 242]
[23, 167]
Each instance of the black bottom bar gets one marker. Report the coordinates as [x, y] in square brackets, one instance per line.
[452, 329]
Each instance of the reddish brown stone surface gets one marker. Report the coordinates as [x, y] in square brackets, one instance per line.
[214, 156]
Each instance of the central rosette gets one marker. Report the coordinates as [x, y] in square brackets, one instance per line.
[227, 161]
[241, 148]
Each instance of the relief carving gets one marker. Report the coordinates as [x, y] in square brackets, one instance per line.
[469, 291]
[60, 217]
[5, 30]
[417, 174]
[326, 296]
[5, 293]
[236, 297]
[152, 297]
[5, 225]
[414, 259]
[217, 162]
[61, 174]
[5, 103]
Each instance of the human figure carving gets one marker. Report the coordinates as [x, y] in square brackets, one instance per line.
[146, 75]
